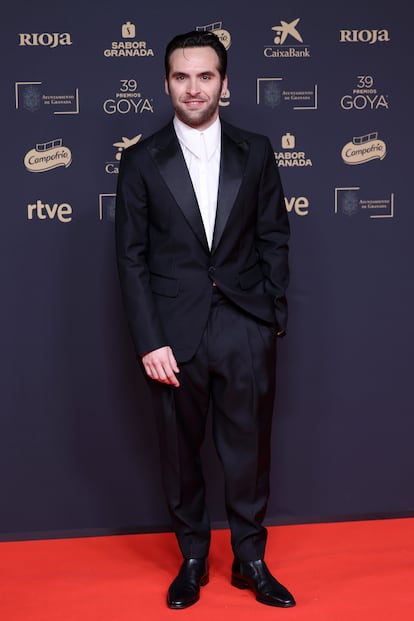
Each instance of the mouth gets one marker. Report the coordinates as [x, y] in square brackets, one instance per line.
[194, 103]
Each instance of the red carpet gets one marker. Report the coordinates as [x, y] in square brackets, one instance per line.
[337, 572]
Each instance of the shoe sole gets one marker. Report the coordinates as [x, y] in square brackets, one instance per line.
[181, 606]
[239, 583]
[204, 580]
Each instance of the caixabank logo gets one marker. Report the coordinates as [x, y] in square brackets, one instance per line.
[112, 167]
[130, 45]
[362, 149]
[44, 39]
[353, 201]
[46, 156]
[287, 42]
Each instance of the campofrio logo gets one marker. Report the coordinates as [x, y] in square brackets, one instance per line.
[219, 31]
[48, 155]
[363, 149]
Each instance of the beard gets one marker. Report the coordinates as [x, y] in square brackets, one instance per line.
[198, 118]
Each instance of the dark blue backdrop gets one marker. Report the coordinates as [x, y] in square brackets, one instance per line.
[78, 451]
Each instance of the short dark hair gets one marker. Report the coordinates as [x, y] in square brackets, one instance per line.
[197, 38]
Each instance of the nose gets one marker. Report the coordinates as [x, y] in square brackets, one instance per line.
[193, 86]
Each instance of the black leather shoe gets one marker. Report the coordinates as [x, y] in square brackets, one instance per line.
[255, 575]
[185, 589]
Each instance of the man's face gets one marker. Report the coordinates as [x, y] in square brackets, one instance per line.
[195, 85]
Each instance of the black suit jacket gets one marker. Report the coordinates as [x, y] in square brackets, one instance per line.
[166, 267]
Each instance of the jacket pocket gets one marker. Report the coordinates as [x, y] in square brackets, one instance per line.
[250, 277]
[163, 285]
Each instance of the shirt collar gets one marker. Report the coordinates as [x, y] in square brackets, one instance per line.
[190, 137]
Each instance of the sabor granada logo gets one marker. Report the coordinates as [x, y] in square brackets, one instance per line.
[364, 149]
[48, 155]
[290, 157]
[128, 47]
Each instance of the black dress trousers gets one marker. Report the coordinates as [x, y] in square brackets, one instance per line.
[233, 371]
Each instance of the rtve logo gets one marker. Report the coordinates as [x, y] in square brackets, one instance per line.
[44, 39]
[299, 205]
[45, 211]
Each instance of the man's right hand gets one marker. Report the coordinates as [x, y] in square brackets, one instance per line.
[161, 366]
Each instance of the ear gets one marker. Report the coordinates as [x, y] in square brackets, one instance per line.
[224, 86]
[167, 90]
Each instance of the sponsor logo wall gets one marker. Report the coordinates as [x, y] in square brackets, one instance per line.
[128, 93]
[330, 93]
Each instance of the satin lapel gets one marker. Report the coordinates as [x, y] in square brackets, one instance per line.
[233, 162]
[171, 164]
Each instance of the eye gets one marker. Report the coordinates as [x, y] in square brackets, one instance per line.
[205, 76]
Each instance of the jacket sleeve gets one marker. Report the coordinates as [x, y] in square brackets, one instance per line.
[272, 236]
[131, 229]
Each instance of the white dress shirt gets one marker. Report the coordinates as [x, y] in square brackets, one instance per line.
[201, 150]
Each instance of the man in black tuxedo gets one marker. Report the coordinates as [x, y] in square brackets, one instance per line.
[202, 244]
